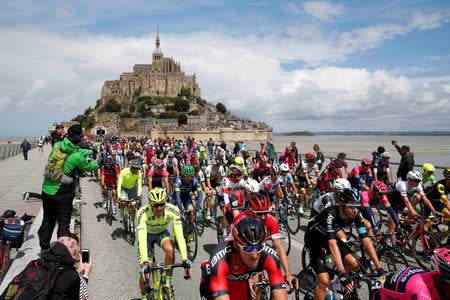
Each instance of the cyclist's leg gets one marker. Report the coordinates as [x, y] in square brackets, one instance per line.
[168, 247]
[151, 239]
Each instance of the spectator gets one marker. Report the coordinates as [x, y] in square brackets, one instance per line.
[210, 145]
[377, 154]
[407, 161]
[40, 144]
[270, 152]
[319, 156]
[25, 146]
[58, 134]
[57, 197]
[295, 150]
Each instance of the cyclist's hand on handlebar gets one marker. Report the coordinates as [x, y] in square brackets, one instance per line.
[380, 271]
[346, 283]
[187, 270]
[292, 281]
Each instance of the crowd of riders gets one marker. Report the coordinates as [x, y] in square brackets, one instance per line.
[247, 185]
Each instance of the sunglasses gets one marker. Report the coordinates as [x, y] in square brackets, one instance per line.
[261, 213]
[250, 249]
[159, 205]
[353, 207]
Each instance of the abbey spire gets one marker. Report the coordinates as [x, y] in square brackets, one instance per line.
[157, 54]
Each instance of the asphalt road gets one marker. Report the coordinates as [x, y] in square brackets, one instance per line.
[115, 260]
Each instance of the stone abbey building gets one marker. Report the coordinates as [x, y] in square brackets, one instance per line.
[164, 78]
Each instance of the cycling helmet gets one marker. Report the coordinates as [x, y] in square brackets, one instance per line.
[235, 170]
[284, 168]
[428, 168]
[379, 187]
[134, 164]
[340, 183]
[251, 185]
[414, 175]
[309, 155]
[249, 232]
[440, 260]
[137, 154]
[239, 160]
[366, 161]
[157, 196]
[350, 196]
[109, 162]
[342, 155]
[446, 173]
[385, 155]
[171, 154]
[159, 164]
[188, 171]
[202, 149]
[275, 169]
[259, 203]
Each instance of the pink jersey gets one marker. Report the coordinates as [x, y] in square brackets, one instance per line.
[409, 283]
[356, 171]
[368, 196]
[153, 171]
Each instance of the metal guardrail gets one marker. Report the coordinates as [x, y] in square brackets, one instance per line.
[9, 150]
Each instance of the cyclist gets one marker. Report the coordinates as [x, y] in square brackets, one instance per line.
[414, 283]
[287, 182]
[225, 276]
[158, 176]
[171, 164]
[259, 208]
[330, 198]
[428, 178]
[327, 177]
[240, 162]
[270, 186]
[229, 184]
[381, 169]
[184, 186]
[360, 177]
[213, 174]
[108, 178]
[152, 228]
[129, 185]
[321, 235]
[261, 168]
[307, 174]
[407, 194]
[378, 195]
[438, 195]
[202, 156]
[239, 198]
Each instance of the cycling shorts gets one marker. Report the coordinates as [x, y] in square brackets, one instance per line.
[130, 193]
[157, 239]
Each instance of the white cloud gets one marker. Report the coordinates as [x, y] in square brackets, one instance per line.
[61, 75]
[425, 21]
[322, 10]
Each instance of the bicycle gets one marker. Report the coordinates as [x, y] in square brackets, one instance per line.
[129, 223]
[109, 204]
[5, 258]
[262, 290]
[440, 228]
[422, 243]
[190, 233]
[289, 214]
[156, 290]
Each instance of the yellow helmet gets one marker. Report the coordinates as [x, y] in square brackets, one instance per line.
[239, 160]
[428, 168]
[157, 196]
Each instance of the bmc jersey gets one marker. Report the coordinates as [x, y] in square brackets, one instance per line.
[409, 284]
[225, 273]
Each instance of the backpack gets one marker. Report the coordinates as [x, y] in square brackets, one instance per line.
[12, 229]
[54, 168]
[35, 282]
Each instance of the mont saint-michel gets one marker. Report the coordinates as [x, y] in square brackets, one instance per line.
[159, 99]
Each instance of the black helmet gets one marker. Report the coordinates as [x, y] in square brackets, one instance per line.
[446, 173]
[350, 196]
[9, 214]
[249, 231]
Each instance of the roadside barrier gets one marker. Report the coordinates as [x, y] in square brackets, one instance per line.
[9, 150]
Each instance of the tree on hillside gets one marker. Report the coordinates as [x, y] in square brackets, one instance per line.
[184, 92]
[111, 106]
[88, 111]
[221, 108]
[182, 119]
[180, 105]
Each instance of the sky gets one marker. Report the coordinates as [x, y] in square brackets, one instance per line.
[297, 65]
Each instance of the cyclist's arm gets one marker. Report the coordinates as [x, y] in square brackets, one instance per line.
[278, 246]
[336, 254]
[370, 249]
[408, 204]
[389, 174]
[141, 229]
[178, 233]
[102, 177]
[119, 183]
[178, 197]
[166, 183]
[139, 191]
[428, 204]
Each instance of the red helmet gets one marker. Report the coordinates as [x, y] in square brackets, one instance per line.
[379, 187]
[366, 161]
[309, 155]
[259, 203]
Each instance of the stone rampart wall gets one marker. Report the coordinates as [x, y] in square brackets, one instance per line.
[225, 134]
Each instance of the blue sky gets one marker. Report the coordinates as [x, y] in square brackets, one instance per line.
[318, 65]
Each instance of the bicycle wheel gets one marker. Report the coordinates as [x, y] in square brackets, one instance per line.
[423, 246]
[306, 259]
[218, 224]
[125, 221]
[307, 282]
[191, 240]
[378, 215]
[286, 238]
[391, 258]
[109, 208]
[292, 217]
[200, 223]
[132, 229]
[4, 260]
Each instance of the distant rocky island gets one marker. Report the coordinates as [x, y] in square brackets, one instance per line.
[298, 133]
[159, 99]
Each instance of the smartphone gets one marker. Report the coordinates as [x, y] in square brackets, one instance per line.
[85, 255]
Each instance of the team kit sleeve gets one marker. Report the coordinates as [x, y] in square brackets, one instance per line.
[273, 267]
[178, 230]
[141, 230]
[139, 191]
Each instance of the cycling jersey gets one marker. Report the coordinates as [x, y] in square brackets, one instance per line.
[368, 198]
[129, 180]
[437, 194]
[285, 179]
[381, 169]
[225, 273]
[227, 185]
[182, 190]
[237, 200]
[409, 283]
[358, 177]
[270, 222]
[110, 175]
[311, 169]
[200, 176]
[270, 185]
[324, 201]
[149, 224]
[215, 174]
[402, 189]
[171, 164]
[157, 176]
[326, 179]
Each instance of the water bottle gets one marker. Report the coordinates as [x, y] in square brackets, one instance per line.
[329, 295]
[335, 286]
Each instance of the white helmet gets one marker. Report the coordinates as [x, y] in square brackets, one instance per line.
[251, 185]
[385, 155]
[340, 184]
[284, 168]
[414, 175]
